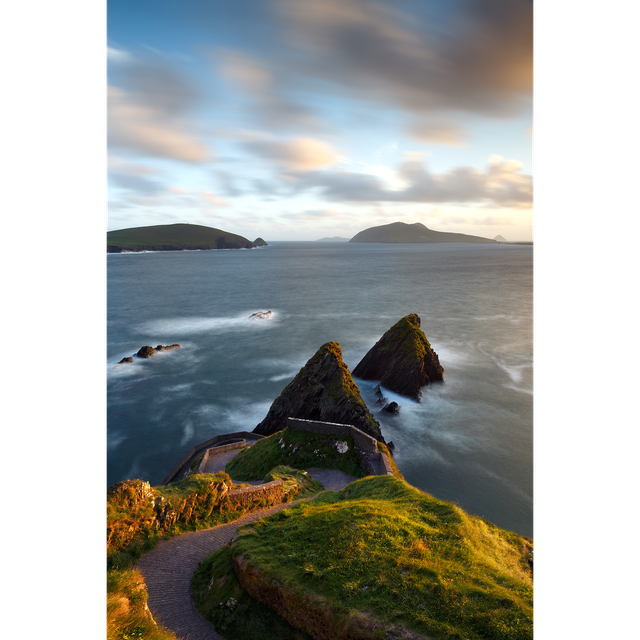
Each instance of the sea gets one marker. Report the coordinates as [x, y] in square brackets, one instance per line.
[470, 439]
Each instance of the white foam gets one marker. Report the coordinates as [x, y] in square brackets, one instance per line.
[114, 440]
[187, 433]
[195, 324]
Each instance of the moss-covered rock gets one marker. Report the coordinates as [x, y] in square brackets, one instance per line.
[402, 360]
[323, 390]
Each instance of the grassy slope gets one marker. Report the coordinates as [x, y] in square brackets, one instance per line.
[297, 449]
[400, 232]
[186, 235]
[384, 547]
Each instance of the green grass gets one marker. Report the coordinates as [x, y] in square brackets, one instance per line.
[384, 547]
[297, 449]
[297, 483]
[221, 600]
[127, 618]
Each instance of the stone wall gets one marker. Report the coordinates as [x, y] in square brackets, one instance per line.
[266, 495]
[374, 462]
[221, 449]
[199, 448]
[363, 440]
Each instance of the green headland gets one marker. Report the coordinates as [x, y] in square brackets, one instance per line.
[174, 237]
[400, 232]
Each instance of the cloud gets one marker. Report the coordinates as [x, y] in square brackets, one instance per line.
[438, 133]
[476, 58]
[137, 183]
[148, 112]
[148, 131]
[210, 198]
[297, 155]
[502, 184]
[271, 107]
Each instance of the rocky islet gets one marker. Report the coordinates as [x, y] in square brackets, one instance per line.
[402, 360]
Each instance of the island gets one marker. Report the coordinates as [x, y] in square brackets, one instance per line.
[401, 232]
[174, 237]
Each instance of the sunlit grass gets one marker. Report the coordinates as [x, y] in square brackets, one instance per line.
[384, 547]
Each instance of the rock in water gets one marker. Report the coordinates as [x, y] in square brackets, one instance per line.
[402, 360]
[392, 408]
[260, 315]
[146, 352]
[323, 390]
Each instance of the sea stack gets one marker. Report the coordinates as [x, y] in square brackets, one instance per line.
[402, 360]
[323, 390]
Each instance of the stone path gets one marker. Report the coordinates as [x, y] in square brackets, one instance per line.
[169, 568]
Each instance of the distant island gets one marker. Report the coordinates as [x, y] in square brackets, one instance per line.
[400, 232]
[333, 239]
[176, 237]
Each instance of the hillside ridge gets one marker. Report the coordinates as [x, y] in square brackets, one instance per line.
[174, 237]
[401, 232]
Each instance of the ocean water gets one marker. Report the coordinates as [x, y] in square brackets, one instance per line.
[470, 440]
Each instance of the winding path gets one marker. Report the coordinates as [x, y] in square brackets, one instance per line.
[168, 569]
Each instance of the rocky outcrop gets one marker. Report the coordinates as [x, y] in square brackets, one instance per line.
[259, 242]
[261, 315]
[393, 408]
[149, 352]
[323, 390]
[402, 360]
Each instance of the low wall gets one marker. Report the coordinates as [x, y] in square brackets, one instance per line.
[383, 462]
[221, 449]
[204, 445]
[270, 493]
[363, 440]
[374, 462]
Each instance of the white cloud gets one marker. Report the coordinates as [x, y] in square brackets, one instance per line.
[150, 131]
[298, 154]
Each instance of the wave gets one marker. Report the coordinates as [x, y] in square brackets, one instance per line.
[190, 325]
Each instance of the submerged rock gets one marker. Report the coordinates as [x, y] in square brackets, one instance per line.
[402, 360]
[323, 390]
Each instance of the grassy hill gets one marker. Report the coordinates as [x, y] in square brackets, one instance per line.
[400, 232]
[174, 237]
[378, 559]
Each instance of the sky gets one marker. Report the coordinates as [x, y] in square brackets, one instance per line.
[299, 120]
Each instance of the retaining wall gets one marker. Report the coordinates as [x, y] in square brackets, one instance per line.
[374, 462]
[221, 449]
[363, 440]
[270, 492]
[204, 445]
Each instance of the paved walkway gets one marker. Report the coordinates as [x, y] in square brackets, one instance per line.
[169, 568]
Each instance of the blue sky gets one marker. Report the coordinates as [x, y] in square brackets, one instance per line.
[297, 119]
